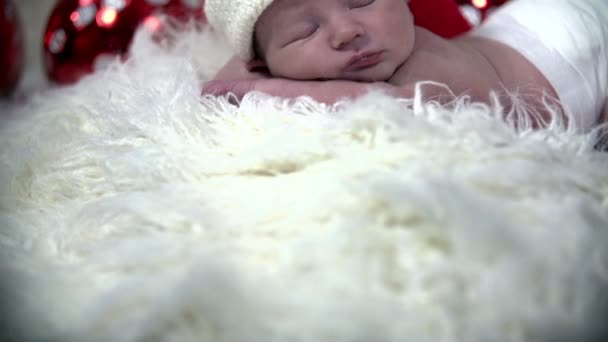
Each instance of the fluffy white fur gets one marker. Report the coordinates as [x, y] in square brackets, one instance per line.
[132, 209]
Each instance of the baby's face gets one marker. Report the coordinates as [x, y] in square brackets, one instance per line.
[360, 40]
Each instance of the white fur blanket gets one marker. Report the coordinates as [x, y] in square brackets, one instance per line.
[132, 209]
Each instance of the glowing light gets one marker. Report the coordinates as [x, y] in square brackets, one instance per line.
[75, 17]
[56, 41]
[480, 3]
[152, 23]
[119, 5]
[83, 16]
[106, 17]
[85, 3]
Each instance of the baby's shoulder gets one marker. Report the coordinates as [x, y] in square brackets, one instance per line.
[431, 60]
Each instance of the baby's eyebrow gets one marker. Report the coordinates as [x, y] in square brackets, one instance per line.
[299, 8]
[294, 14]
[292, 18]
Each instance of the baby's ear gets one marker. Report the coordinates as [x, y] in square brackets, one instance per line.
[256, 64]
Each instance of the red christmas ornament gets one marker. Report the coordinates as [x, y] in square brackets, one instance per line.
[482, 7]
[82, 34]
[11, 49]
[450, 18]
[443, 17]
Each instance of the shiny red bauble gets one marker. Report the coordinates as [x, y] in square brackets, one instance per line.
[482, 8]
[447, 18]
[443, 17]
[82, 35]
[11, 48]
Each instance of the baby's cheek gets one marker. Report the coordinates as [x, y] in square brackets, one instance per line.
[308, 65]
[304, 67]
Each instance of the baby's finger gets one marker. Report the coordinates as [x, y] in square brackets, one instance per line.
[219, 88]
[214, 87]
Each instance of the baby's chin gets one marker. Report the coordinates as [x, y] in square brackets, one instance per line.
[368, 77]
[379, 73]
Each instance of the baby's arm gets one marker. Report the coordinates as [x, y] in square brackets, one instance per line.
[237, 69]
[328, 92]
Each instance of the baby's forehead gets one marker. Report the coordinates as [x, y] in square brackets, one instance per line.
[285, 11]
[284, 7]
[292, 4]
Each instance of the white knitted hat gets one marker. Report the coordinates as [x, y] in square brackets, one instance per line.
[236, 19]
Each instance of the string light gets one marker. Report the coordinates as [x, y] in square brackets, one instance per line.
[83, 16]
[106, 17]
[152, 23]
[75, 16]
[83, 35]
[481, 4]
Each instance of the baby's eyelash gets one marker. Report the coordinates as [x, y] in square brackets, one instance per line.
[359, 3]
[304, 34]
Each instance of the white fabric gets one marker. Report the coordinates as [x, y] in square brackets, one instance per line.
[133, 210]
[236, 19]
[567, 40]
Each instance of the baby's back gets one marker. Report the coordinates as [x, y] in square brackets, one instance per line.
[567, 40]
[473, 66]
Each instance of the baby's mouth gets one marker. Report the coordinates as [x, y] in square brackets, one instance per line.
[364, 60]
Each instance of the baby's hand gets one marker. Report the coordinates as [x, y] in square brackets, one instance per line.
[237, 69]
[236, 87]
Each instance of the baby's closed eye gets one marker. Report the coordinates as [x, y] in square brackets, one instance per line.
[301, 32]
[359, 3]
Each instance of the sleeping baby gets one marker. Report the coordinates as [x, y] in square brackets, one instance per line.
[540, 50]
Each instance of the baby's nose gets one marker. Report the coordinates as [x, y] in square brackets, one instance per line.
[345, 32]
